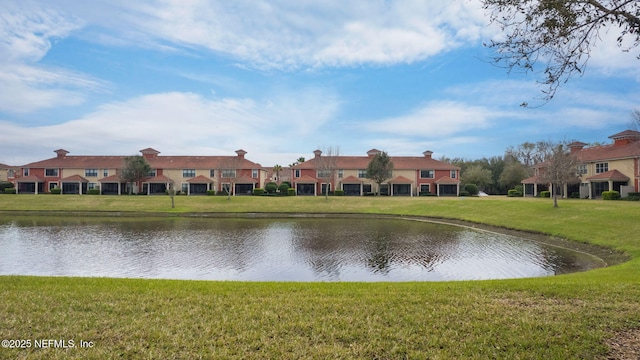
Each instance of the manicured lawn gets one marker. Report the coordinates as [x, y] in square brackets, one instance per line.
[561, 317]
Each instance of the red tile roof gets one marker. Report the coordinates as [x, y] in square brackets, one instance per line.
[534, 180]
[399, 163]
[111, 179]
[351, 180]
[306, 180]
[160, 179]
[400, 180]
[609, 152]
[160, 162]
[447, 180]
[75, 178]
[30, 179]
[613, 175]
[200, 179]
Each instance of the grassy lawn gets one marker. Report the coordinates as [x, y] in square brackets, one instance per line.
[562, 317]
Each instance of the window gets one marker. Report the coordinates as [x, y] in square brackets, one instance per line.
[188, 173]
[602, 167]
[92, 186]
[25, 172]
[51, 172]
[11, 173]
[296, 173]
[427, 174]
[254, 173]
[340, 174]
[185, 188]
[105, 172]
[581, 169]
[366, 188]
[323, 174]
[425, 188]
[453, 174]
[53, 185]
[152, 173]
[229, 173]
[212, 173]
[91, 172]
[324, 188]
[362, 174]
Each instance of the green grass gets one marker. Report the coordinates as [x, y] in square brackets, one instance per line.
[562, 317]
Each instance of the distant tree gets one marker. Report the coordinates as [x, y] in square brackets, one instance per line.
[300, 160]
[276, 170]
[380, 169]
[171, 191]
[478, 175]
[228, 171]
[327, 166]
[513, 174]
[135, 169]
[559, 168]
[560, 33]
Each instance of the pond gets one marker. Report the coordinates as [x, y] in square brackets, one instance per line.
[283, 249]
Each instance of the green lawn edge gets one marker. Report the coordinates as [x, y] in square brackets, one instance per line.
[562, 317]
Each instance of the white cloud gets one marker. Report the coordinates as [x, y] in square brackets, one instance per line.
[294, 34]
[436, 119]
[178, 123]
[26, 32]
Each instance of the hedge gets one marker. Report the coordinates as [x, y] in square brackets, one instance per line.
[93, 192]
[514, 193]
[258, 191]
[55, 191]
[10, 190]
[545, 194]
[338, 192]
[291, 191]
[610, 195]
[211, 192]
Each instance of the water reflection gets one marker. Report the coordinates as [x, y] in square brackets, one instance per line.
[279, 250]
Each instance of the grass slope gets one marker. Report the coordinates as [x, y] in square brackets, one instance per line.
[562, 317]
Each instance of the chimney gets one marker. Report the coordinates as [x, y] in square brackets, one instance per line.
[62, 153]
[428, 154]
[373, 152]
[576, 146]
[149, 153]
[317, 154]
[241, 153]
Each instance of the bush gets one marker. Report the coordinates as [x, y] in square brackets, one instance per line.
[211, 192]
[633, 196]
[426, 194]
[55, 191]
[338, 192]
[470, 189]
[5, 185]
[610, 195]
[545, 194]
[258, 191]
[10, 190]
[93, 192]
[291, 191]
[464, 193]
[285, 182]
[283, 188]
[270, 187]
[574, 195]
[514, 193]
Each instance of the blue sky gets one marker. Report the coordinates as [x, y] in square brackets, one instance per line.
[280, 79]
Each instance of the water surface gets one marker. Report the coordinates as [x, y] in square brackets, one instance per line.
[274, 250]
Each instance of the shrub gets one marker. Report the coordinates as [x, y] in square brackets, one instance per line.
[633, 196]
[258, 191]
[470, 189]
[287, 183]
[574, 195]
[270, 187]
[514, 193]
[93, 192]
[464, 193]
[283, 188]
[610, 195]
[338, 192]
[211, 192]
[55, 191]
[545, 194]
[10, 190]
[426, 194]
[291, 191]
[5, 185]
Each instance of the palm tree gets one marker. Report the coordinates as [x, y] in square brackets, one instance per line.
[276, 169]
